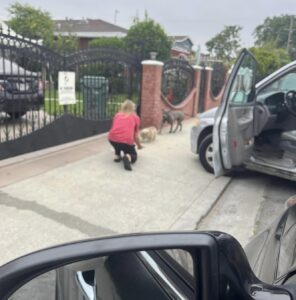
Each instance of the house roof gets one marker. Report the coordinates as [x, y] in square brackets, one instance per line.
[87, 28]
[181, 38]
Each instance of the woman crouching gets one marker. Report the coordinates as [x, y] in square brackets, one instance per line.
[124, 134]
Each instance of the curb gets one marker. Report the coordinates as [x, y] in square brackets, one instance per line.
[202, 205]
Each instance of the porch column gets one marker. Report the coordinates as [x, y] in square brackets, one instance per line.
[151, 114]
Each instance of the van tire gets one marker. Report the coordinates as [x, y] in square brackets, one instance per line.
[206, 153]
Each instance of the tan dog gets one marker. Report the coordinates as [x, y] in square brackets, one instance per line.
[148, 134]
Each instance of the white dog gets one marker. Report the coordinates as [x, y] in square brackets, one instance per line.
[148, 134]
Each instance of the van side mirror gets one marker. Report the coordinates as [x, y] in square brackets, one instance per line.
[187, 265]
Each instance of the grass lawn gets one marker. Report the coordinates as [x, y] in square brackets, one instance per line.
[52, 106]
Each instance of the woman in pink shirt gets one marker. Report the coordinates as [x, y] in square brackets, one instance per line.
[124, 134]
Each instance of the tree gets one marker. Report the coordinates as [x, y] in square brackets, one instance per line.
[277, 32]
[147, 36]
[114, 42]
[225, 44]
[66, 44]
[31, 22]
[269, 60]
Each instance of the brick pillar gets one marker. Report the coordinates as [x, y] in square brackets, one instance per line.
[208, 91]
[209, 72]
[151, 114]
[197, 78]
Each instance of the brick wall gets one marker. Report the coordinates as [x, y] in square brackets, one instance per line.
[190, 104]
[153, 102]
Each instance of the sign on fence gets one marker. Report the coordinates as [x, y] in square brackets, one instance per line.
[67, 93]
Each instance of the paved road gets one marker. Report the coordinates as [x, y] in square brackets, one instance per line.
[58, 198]
[251, 202]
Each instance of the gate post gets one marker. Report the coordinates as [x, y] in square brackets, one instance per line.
[208, 104]
[151, 114]
[197, 85]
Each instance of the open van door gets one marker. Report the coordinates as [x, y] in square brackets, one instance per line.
[234, 122]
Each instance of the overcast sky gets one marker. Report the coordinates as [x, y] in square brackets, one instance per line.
[199, 19]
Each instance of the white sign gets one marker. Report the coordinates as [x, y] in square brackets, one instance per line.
[67, 88]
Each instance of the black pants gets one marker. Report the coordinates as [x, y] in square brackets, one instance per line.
[126, 149]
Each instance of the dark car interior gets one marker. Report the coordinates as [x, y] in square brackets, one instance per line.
[155, 274]
[275, 122]
[165, 274]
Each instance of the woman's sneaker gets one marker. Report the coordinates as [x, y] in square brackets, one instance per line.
[127, 163]
[119, 159]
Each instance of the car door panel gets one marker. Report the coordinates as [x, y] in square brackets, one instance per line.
[244, 117]
[233, 134]
[241, 145]
[262, 117]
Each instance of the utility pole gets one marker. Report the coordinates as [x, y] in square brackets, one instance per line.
[290, 32]
[115, 16]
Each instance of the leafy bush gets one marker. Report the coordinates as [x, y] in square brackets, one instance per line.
[269, 60]
[114, 42]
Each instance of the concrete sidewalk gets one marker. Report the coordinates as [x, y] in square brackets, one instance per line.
[76, 191]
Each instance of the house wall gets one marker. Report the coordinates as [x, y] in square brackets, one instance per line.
[83, 43]
[179, 54]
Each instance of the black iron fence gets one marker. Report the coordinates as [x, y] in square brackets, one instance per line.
[217, 83]
[177, 80]
[33, 103]
[218, 78]
[202, 86]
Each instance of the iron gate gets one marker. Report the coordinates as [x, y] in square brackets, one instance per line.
[31, 117]
[177, 80]
[202, 87]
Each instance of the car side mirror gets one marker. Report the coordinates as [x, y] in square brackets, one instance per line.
[187, 265]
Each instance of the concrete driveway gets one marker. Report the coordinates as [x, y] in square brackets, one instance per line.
[77, 191]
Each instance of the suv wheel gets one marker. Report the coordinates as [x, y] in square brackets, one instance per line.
[206, 153]
[16, 115]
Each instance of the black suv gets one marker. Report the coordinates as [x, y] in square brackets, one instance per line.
[20, 90]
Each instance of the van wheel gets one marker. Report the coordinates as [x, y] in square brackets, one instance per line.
[206, 153]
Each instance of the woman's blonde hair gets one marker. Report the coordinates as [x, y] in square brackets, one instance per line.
[128, 106]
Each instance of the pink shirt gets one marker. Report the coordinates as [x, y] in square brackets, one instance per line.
[123, 128]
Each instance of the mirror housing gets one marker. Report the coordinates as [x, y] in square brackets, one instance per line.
[220, 265]
[203, 246]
